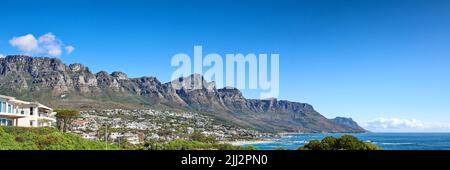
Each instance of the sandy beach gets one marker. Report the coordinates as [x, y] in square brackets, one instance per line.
[248, 142]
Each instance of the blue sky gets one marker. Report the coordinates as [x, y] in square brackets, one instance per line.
[378, 61]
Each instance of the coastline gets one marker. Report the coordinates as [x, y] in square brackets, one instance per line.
[248, 142]
[280, 135]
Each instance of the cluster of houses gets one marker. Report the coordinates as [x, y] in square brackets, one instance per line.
[137, 126]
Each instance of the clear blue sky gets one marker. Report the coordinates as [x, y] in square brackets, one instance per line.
[363, 59]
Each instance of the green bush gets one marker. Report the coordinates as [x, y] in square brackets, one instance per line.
[191, 145]
[200, 137]
[21, 138]
[7, 141]
[346, 142]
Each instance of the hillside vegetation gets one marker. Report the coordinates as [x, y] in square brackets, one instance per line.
[346, 142]
[21, 138]
[24, 138]
[192, 145]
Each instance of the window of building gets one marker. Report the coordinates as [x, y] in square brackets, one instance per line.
[9, 122]
[3, 106]
[31, 111]
[6, 122]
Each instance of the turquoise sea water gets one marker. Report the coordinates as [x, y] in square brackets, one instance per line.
[388, 141]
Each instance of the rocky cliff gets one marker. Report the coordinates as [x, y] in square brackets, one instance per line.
[349, 122]
[54, 83]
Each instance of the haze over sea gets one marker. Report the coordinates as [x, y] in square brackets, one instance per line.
[388, 141]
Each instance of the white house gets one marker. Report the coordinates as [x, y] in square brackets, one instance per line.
[15, 112]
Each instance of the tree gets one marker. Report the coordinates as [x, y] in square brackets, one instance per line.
[279, 148]
[313, 145]
[346, 142]
[329, 142]
[200, 137]
[64, 118]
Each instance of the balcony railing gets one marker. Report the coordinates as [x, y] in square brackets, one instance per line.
[22, 113]
[50, 116]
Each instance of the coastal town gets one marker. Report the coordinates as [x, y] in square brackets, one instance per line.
[139, 126]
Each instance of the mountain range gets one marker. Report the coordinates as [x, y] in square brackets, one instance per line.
[51, 82]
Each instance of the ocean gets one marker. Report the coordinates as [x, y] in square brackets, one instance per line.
[388, 141]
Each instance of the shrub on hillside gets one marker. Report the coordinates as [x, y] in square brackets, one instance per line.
[22, 138]
[191, 145]
[346, 142]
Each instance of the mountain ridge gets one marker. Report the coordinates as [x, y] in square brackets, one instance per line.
[60, 85]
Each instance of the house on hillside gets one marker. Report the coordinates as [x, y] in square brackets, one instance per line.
[15, 112]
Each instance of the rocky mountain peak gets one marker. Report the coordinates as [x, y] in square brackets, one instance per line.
[102, 74]
[119, 75]
[349, 122]
[47, 79]
[231, 92]
[76, 67]
[188, 83]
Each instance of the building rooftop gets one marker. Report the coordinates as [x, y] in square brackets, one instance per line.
[21, 102]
